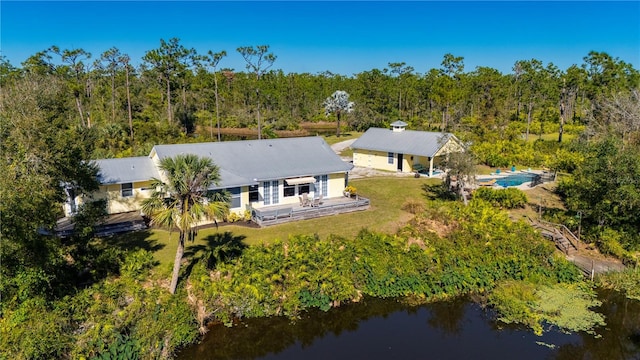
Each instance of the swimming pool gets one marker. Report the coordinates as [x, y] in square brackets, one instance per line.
[514, 179]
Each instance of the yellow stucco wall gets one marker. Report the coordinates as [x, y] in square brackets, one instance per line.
[379, 160]
[118, 204]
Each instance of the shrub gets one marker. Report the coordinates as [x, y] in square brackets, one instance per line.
[350, 189]
[627, 282]
[609, 243]
[509, 198]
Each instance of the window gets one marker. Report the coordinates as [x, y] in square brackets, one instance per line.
[289, 190]
[266, 190]
[126, 190]
[321, 185]
[303, 188]
[232, 194]
[274, 192]
[254, 195]
[235, 197]
[325, 185]
[390, 158]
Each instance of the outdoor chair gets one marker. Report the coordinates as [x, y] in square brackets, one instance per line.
[305, 199]
[317, 201]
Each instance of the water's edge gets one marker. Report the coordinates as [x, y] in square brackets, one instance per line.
[383, 329]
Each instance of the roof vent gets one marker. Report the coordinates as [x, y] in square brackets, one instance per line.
[398, 126]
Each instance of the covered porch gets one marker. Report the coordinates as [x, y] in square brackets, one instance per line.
[278, 214]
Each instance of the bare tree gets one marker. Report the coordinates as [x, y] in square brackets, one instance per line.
[400, 69]
[619, 114]
[169, 60]
[124, 59]
[110, 62]
[338, 103]
[213, 59]
[258, 61]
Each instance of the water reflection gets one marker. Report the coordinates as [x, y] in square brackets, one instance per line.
[619, 339]
[387, 329]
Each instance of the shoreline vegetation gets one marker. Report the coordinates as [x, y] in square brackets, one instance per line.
[447, 250]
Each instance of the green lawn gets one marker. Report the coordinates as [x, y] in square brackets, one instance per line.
[387, 195]
[332, 139]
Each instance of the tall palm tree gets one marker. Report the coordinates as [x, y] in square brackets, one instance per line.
[185, 200]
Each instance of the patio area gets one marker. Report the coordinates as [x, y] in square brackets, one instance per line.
[279, 214]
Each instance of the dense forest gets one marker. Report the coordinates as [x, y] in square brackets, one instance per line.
[62, 107]
[177, 94]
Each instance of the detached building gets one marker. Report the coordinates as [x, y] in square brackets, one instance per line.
[398, 149]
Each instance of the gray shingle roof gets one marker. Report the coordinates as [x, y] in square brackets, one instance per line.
[246, 162]
[126, 170]
[422, 143]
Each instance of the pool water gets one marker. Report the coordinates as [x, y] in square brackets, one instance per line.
[515, 180]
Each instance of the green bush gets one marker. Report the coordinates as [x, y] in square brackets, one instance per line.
[509, 198]
[512, 301]
[609, 243]
[34, 331]
[627, 282]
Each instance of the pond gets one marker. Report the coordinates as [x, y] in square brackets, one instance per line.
[387, 329]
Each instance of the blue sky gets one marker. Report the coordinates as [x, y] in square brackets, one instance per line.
[340, 37]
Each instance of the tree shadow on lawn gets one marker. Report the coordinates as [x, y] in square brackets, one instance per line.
[219, 248]
[134, 240]
[438, 191]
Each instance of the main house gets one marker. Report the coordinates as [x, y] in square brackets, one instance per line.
[398, 149]
[259, 174]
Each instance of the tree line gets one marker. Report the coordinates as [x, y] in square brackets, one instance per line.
[177, 94]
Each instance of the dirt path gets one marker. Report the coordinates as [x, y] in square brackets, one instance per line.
[339, 147]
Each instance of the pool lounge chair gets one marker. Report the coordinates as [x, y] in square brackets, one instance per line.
[487, 183]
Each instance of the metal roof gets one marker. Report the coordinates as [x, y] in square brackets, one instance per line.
[126, 170]
[421, 143]
[399, 123]
[247, 162]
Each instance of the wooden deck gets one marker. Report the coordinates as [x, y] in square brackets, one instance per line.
[113, 224]
[279, 214]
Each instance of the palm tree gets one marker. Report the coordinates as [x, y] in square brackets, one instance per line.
[338, 103]
[185, 200]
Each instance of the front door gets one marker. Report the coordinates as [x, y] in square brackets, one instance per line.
[400, 162]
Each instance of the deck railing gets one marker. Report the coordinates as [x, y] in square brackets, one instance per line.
[277, 215]
[558, 231]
